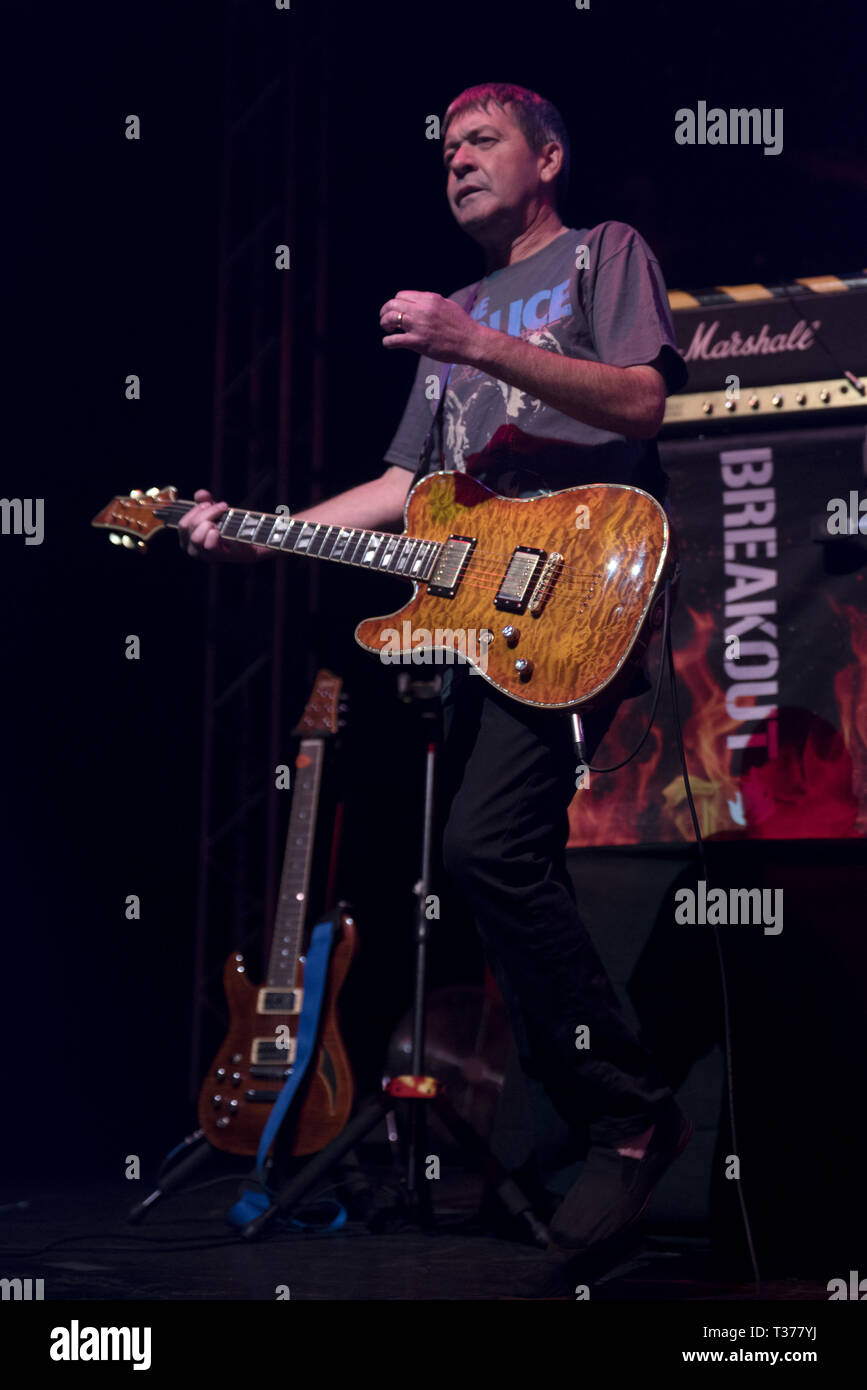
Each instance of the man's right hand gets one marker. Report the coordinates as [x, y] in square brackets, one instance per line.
[199, 535]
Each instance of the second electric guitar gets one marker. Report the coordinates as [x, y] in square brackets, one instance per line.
[248, 1073]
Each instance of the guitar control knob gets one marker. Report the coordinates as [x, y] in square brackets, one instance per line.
[220, 1073]
[511, 634]
[236, 1078]
[234, 1104]
[524, 667]
[236, 1057]
[216, 1101]
[222, 1122]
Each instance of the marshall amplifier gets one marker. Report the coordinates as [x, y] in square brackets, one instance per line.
[770, 353]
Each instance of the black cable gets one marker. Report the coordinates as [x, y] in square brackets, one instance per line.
[850, 376]
[727, 1034]
[668, 652]
[637, 749]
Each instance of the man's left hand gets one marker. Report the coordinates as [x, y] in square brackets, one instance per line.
[432, 326]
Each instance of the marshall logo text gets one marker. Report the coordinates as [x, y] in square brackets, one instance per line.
[705, 346]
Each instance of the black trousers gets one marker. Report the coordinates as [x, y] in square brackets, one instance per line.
[507, 777]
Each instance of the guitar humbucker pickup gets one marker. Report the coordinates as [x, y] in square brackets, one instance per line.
[279, 1001]
[519, 579]
[278, 1051]
[451, 565]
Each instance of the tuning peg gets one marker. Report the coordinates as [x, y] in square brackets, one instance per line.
[136, 492]
[141, 547]
[114, 538]
[152, 492]
[128, 542]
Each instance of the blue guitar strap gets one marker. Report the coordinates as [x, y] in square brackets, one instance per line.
[315, 975]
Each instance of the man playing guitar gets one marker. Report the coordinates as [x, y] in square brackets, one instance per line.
[551, 371]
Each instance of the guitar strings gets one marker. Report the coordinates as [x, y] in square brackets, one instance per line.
[484, 577]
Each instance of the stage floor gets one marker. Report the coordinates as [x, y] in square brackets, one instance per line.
[75, 1236]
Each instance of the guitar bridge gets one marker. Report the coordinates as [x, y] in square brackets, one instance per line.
[547, 580]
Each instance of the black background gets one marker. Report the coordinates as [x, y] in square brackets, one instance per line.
[111, 265]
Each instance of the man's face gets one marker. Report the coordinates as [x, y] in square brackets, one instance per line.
[492, 175]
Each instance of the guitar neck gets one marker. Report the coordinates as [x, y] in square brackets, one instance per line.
[292, 903]
[409, 556]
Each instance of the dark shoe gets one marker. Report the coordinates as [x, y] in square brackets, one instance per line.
[613, 1191]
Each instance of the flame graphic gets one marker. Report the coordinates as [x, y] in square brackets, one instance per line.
[812, 785]
[714, 789]
[850, 689]
[635, 804]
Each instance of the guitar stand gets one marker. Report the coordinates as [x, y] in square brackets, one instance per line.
[199, 1152]
[415, 1092]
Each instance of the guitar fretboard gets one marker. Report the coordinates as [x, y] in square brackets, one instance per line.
[297, 859]
[410, 556]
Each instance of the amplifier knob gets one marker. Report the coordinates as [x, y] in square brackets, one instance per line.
[753, 402]
[707, 407]
[825, 396]
[801, 398]
[777, 400]
[731, 405]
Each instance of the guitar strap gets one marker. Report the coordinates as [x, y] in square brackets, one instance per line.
[315, 975]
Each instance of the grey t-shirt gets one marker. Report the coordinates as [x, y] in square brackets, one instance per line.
[606, 303]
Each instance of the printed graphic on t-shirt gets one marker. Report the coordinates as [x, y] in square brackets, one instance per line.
[473, 394]
[608, 305]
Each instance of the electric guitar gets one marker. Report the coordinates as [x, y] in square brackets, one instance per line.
[551, 599]
[249, 1070]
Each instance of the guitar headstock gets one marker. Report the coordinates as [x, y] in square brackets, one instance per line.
[131, 521]
[322, 712]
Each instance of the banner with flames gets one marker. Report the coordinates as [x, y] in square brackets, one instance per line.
[770, 641]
